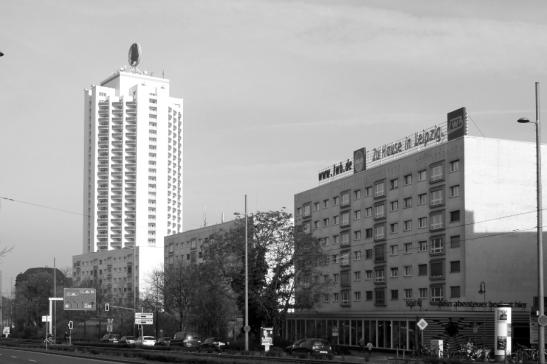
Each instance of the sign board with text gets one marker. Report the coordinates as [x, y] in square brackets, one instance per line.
[80, 299]
[142, 318]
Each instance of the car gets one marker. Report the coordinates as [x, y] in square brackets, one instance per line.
[110, 338]
[212, 344]
[146, 341]
[128, 340]
[315, 347]
[163, 341]
[187, 340]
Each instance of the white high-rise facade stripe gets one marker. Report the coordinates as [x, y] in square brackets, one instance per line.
[133, 163]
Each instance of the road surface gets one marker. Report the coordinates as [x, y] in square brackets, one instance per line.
[12, 356]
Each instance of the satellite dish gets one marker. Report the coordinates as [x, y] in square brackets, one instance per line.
[134, 56]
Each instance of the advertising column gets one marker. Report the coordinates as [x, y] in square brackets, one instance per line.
[502, 335]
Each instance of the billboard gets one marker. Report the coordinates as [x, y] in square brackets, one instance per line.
[359, 160]
[80, 299]
[456, 123]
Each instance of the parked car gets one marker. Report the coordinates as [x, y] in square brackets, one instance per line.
[163, 341]
[128, 340]
[311, 347]
[212, 344]
[110, 338]
[187, 340]
[146, 341]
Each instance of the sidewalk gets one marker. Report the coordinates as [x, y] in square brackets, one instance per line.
[359, 357]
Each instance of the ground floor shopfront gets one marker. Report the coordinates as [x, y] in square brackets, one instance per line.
[399, 330]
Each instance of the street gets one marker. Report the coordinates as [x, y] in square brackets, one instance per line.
[12, 356]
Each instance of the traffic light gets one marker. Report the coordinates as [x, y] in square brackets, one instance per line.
[70, 325]
[107, 307]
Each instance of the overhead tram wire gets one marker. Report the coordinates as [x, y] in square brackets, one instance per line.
[476, 125]
[41, 206]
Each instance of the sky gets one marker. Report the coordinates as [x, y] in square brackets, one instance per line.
[273, 92]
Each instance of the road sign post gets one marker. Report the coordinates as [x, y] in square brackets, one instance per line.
[422, 324]
[80, 299]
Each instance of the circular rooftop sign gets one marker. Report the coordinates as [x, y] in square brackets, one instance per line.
[135, 54]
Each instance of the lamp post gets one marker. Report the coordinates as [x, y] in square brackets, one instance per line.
[541, 318]
[246, 329]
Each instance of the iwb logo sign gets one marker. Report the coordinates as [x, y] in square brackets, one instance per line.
[455, 123]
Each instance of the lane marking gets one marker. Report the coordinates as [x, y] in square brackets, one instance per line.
[13, 357]
[32, 361]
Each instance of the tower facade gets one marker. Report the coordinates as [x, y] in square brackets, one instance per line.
[133, 162]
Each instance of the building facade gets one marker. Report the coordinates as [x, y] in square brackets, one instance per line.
[437, 225]
[132, 179]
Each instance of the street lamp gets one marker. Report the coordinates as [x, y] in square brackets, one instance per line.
[541, 318]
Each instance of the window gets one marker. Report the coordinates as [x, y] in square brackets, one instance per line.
[316, 206]
[325, 203]
[299, 211]
[380, 210]
[454, 166]
[437, 198]
[307, 228]
[393, 249]
[345, 198]
[436, 269]
[454, 291]
[394, 184]
[455, 241]
[454, 191]
[368, 233]
[307, 210]
[380, 297]
[379, 275]
[437, 293]
[380, 253]
[336, 200]
[326, 298]
[357, 276]
[326, 222]
[344, 260]
[394, 205]
[394, 294]
[407, 179]
[369, 295]
[379, 189]
[455, 216]
[344, 237]
[422, 245]
[357, 194]
[336, 239]
[357, 296]
[407, 270]
[316, 224]
[423, 292]
[394, 272]
[393, 228]
[379, 232]
[422, 199]
[407, 203]
[422, 269]
[357, 235]
[368, 191]
[368, 254]
[408, 293]
[345, 218]
[422, 175]
[437, 221]
[407, 225]
[357, 215]
[369, 274]
[336, 297]
[336, 219]
[368, 212]
[436, 173]
[336, 277]
[437, 245]
[408, 247]
[422, 222]
[455, 266]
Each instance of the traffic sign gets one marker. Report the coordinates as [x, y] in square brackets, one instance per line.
[422, 324]
[142, 318]
[46, 318]
[542, 320]
[82, 299]
[70, 325]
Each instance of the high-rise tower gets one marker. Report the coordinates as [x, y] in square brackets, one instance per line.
[132, 171]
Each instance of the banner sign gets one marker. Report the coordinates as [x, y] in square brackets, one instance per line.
[456, 123]
[83, 299]
[359, 160]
